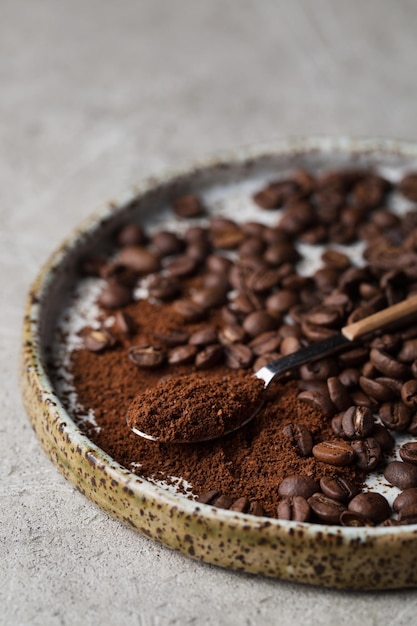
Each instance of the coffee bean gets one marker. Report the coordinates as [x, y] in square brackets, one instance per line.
[190, 311]
[131, 235]
[289, 345]
[408, 351]
[254, 245]
[409, 393]
[354, 519]
[335, 259]
[259, 322]
[124, 324]
[257, 509]
[281, 301]
[326, 509]
[270, 197]
[388, 365]
[338, 393]
[337, 425]
[241, 505]
[320, 401]
[395, 415]
[204, 336]
[408, 452]
[216, 281]
[218, 264]
[222, 501]
[359, 398]
[338, 488]
[319, 370]
[294, 508]
[188, 206]
[408, 186]
[139, 259]
[181, 266]
[209, 297]
[174, 337]
[408, 514]
[377, 389]
[265, 342]
[400, 474]
[357, 421]
[163, 288]
[225, 234]
[349, 377]
[119, 274]
[263, 360]
[167, 243]
[405, 499]
[92, 265]
[323, 316]
[238, 356]
[278, 253]
[198, 250]
[301, 436]
[99, 340]
[263, 279]
[209, 357]
[367, 453]
[371, 505]
[353, 358]
[182, 355]
[208, 496]
[298, 485]
[115, 296]
[231, 333]
[338, 453]
[383, 437]
[146, 356]
[313, 332]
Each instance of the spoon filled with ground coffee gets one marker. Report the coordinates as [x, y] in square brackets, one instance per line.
[194, 408]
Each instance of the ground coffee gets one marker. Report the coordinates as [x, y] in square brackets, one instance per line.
[225, 298]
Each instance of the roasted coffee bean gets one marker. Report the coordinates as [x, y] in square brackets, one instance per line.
[231, 333]
[405, 499]
[167, 243]
[337, 425]
[326, 509]
[208, 496]
[368, 370]
[408, 452]
[163, 288]
[409, 393]
[131, 235]
[209, 357]
[338, 393]
[388, 365]
[241, 505]
[265, 342]
[190, 311]
[298, 485]
[181, 266]
[353, 358]
[174, 337]
[119, 274]
[270, 197]
[253, 229]
[198, 250]
[408, 514]
[326, 279]
[92, 265]
[225, 234]
[222, 502]
[371, 505]
[182, 355]
[228, 316]
[319, 370]
[408, 351]
[254, 245]
[408, 186]
[339, 453]
[259, 322]
[217, 264]
[194, 234]
[204, 336]
[216, 281]
[263, 279]
[313, 332]
[319, 401]
[281, 301]
[349, 377]
[357, 421]
[188, 206]
[289, 345]
[146, 356]
[278, 253]
[359, 398]
[99, 340]
[412, 426]
[124, 324]
[115, 296]
[367, 453]
[395, 415]
[265, 359]
[295, 508]
[139, 259]
[209, 297]
[354, 519]
[400, 474]
[338, 488]
[383, 437]
[377, 389]
[335, 259]
[301, 436]
[323, 316]
[238, 356]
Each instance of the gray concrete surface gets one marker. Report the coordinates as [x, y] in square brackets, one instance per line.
[95, 95]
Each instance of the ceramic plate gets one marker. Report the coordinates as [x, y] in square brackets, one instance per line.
[364, 558]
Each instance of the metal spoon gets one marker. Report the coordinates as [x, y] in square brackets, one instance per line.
[334, 343]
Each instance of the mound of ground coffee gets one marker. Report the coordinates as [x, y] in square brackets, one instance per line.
[192, 408]
[222, 299]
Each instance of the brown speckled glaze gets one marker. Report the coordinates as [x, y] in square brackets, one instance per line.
[357, 558]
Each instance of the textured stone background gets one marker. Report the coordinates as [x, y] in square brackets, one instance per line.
[95, 95]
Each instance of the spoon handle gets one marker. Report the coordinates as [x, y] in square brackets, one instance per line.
[381, 319]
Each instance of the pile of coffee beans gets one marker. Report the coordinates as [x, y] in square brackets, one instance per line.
[240, 284]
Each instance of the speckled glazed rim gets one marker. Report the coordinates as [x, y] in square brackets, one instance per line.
[357, 558]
